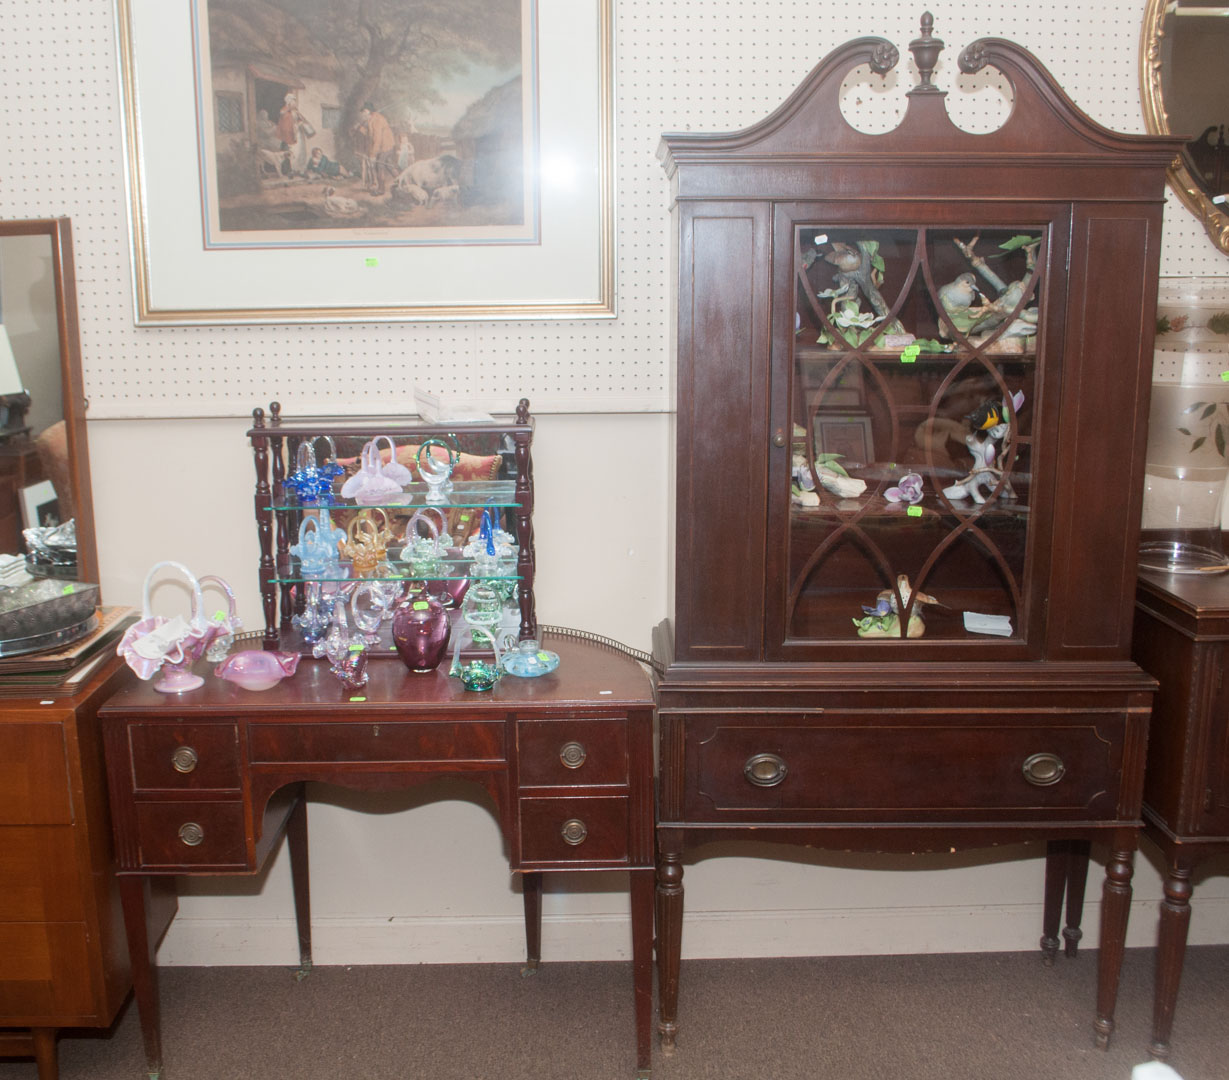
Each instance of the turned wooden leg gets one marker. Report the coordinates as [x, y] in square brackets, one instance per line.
[669, 944]
[1115, 908]
[1055, 885]
[1171, 949]
[1077, 880]
[642, 967]
[531, 886]
[296, 844]
[44, 1053]
[134, 892]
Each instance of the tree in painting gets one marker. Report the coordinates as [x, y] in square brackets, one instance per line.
[359, 113]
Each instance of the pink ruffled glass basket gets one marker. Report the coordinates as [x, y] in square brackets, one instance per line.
[168, 647]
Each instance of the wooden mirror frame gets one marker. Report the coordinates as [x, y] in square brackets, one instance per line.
[59, 233]
[1214, 219]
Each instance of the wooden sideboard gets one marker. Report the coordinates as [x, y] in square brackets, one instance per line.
[65, 963]
[1182, 638]
[207, 782]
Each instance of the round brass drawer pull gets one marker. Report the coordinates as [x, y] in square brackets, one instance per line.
[1042, 770]
[765, 770]
[573, 755]
[574, 831]
[191, 833]
[184, 759]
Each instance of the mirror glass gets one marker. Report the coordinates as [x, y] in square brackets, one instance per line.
[44, 466]
[1186, 92]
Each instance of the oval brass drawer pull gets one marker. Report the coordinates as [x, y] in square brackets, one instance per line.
[573, 755]
[184, 759]
[765, 770]
[574, 831]
[191, 833]
[1042, 770]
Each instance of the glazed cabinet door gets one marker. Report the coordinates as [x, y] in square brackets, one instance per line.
[912, 403]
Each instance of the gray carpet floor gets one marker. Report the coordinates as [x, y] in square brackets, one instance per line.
[987, 1016]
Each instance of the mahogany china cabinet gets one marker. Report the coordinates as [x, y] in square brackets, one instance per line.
[912, 389]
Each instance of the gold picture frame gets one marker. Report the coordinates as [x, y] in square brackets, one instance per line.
[561, 265]
[1213, 217]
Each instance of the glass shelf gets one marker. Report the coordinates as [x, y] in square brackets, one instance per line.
[466, 495]
[453, 570]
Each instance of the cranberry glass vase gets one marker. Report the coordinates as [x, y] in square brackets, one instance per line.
[421, 630]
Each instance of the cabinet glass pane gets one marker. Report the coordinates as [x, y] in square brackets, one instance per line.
[914, 376]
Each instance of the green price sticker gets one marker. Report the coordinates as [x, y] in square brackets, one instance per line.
[1224, 376]
[371, 261]
[219, 615]
[421, 605]
[356, 647]
[914, 511]
[68, 590]
[544, 656]
[910, 354]
[360, 698]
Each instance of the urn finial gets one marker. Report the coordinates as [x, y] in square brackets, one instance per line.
[926, 51]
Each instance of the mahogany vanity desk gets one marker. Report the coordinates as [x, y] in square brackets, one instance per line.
[206, 782]
[1182, 638]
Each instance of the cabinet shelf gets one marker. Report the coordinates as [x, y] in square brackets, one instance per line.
[465, 495]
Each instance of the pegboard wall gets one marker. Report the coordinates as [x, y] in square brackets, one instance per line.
[686, 65]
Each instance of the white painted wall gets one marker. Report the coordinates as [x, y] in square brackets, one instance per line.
[399, 880]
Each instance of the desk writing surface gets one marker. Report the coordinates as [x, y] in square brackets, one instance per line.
[588, 675]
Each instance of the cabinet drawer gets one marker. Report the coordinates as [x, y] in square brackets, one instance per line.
[46, 975]
[574, 830]
[874, 768]
[34, 785]
[191, 834]
[39, 875]
[184, 757]
[571, 753]
[444, 741]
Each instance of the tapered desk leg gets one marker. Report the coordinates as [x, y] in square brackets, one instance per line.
[134, 895]
[1171, 949]
[296, 843]
[669, 944]
[45, 1053]
[642, 967]
[1115, 908]
[531, 888]
[1077, 880]
[1057, 852]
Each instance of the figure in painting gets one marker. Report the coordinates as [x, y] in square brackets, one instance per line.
[324, 167]
[293, 130]
[377, 148]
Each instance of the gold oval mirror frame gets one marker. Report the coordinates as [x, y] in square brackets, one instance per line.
[1215, 218]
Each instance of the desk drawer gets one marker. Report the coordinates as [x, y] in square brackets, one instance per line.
[191, 834]
[572, 753]
[892, 767]
[175, 756]
[426, 741]
[574, 830]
